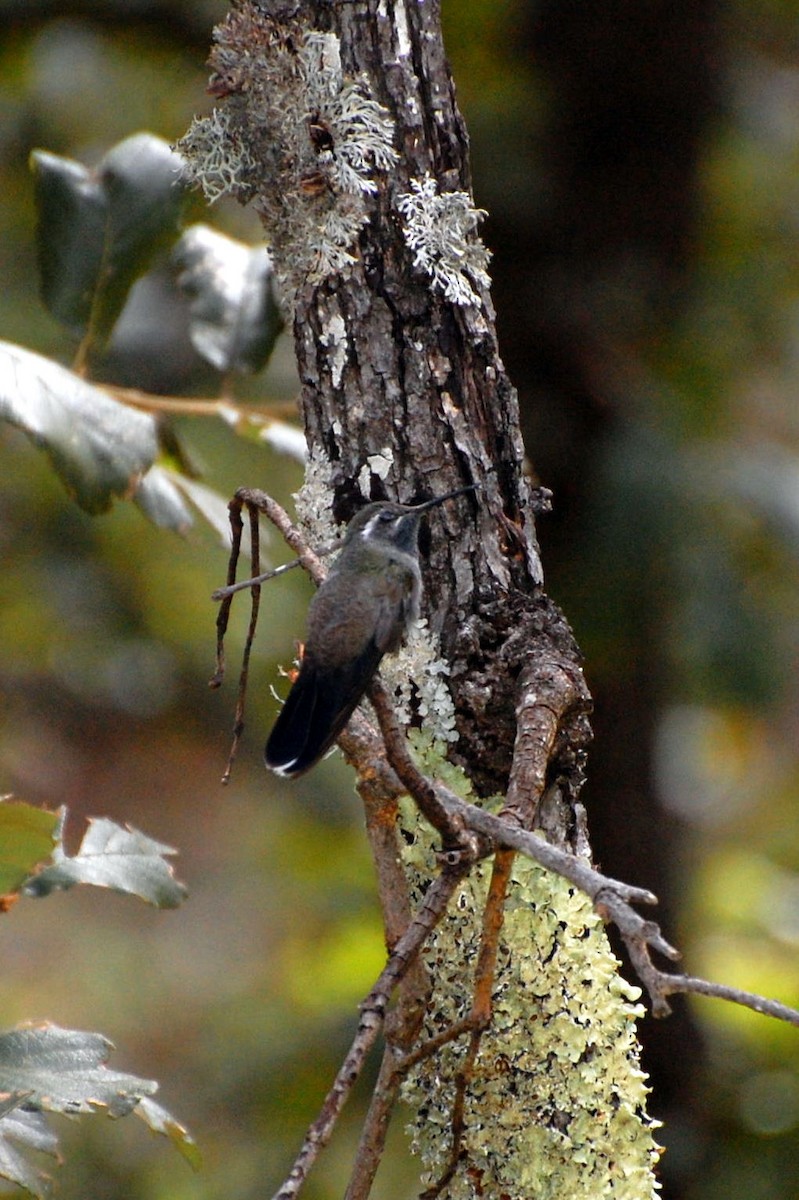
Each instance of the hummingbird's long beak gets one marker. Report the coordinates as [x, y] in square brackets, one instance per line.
[420, 508]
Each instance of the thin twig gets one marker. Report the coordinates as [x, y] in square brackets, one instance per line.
[480, 1015]
[203, 406]
[432, 1045]
[223, 592]
[229, 590]
[613, 900]
[421, 789]
[222, 620]
[371, 1021]
[255, 603]
[255, 502]
[372, 1141]
[222, 617]
[380, 791]
[639, 935]
[691, 984]
[263, 502]
[577, 870]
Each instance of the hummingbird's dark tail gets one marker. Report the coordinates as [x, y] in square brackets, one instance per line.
[317, 708]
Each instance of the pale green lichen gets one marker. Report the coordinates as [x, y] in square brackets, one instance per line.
[416, 675]
[429, 753]
[556, 1109]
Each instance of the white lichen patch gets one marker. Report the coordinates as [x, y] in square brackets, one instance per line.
[556, 1109]
[381, 463]
[378, 465]
[439, 230]
[313, 502]
[334, 338]
[296, 137]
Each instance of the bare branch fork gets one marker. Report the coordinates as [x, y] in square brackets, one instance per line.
[547, 692]
[373, 1009]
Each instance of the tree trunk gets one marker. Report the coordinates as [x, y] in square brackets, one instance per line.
[340, 126]
[419, 380]
[403, 391]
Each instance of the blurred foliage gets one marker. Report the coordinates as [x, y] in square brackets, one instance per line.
[241, 1002]
[27, 836]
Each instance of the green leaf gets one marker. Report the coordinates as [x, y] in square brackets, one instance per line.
[27, 836]
[234, 319]
[161, 1121]
[110, 856]
[98, 230]
[72, 217]
[99, 447]
[64, 1071]
[21, 1130]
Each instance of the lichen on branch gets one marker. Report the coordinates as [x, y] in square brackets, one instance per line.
[557, 1091]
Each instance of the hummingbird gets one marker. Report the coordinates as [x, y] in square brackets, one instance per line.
[362, 611]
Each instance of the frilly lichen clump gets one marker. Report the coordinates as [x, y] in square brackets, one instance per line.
[556, 1109]
[295, 137]
[439, 230]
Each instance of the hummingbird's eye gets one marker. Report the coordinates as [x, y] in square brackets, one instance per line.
[385, 517]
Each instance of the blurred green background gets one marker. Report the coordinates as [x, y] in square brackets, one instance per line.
[640, 165]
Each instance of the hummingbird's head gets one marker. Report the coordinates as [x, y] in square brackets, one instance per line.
[388, 524]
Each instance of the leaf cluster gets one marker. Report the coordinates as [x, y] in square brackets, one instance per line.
[99, 233]
[47, 1069]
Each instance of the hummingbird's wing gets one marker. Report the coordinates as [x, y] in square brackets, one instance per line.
[349, 631]
[397, 608]
[317, 708]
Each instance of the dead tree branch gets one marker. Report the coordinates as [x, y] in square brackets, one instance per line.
[548, 691]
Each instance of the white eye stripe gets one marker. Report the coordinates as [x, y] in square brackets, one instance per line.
[379, 518]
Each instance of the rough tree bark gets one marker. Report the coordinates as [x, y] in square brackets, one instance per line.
[422, 378]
